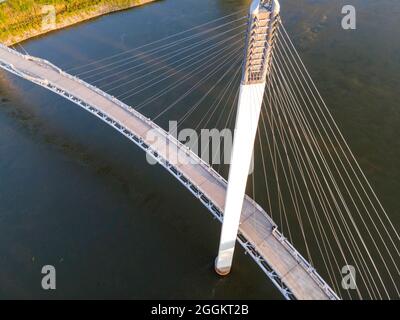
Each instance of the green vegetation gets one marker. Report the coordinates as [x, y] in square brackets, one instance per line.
[22, 19]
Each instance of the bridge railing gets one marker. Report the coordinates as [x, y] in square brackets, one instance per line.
[305, 264]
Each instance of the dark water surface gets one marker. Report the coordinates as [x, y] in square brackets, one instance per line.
[77, 195]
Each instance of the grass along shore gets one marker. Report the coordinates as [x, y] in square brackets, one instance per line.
[24, 19]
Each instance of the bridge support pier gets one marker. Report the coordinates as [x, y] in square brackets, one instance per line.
[260, 34]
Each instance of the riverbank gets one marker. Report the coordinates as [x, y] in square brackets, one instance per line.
[19, 23]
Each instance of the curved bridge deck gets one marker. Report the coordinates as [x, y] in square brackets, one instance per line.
[280, 261]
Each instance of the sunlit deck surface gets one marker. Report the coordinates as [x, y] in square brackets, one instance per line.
[258, 234]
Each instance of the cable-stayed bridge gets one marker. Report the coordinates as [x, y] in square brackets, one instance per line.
[319, 185]
[266, 245]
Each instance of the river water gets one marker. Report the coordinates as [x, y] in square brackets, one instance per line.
[77, 195]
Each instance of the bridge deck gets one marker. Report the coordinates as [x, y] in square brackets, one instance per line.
[257, 229]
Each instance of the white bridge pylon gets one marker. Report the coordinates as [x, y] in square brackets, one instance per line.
[262, 20]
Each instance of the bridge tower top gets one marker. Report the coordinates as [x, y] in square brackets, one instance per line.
[263, 17]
